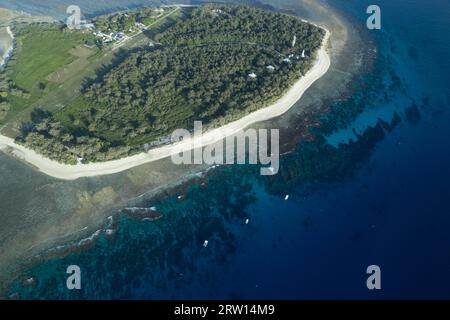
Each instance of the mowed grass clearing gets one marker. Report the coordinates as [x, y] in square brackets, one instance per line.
[42, 51]
[64, 73]
[50, 65]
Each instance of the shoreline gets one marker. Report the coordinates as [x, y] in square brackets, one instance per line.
[8, 52]
[73, 172]
[164, 179]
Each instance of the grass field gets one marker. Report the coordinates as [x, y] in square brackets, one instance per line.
[81, 61]
[50, 65]
[42, 52]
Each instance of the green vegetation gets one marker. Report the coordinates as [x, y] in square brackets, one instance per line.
[239, 24]
[124, 21]
[218, 65]
[41, 50]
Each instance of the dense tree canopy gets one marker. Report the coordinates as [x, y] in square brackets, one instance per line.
[216, 66]
[123, 21]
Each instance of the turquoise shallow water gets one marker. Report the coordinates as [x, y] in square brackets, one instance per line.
[380, 198]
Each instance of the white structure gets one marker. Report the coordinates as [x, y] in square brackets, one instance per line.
[113, 36]
[270, 67]
[303, 54]
[87, 26]
[287, 60]
[252, 75]
[294, 41]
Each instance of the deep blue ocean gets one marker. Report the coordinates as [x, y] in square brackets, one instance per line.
[385, 202]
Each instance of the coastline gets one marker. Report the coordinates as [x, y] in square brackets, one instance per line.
[72, 172]
[9, 50]
[59, 201]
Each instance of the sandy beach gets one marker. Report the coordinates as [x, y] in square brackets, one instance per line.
[39, 212]
[72, 172]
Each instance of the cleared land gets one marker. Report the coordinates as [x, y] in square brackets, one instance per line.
[48, 69]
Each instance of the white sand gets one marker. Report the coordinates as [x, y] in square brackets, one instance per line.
[72, 172]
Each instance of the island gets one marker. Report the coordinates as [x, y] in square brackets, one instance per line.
[107, 97]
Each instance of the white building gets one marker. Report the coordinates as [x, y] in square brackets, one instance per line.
[87, 26]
